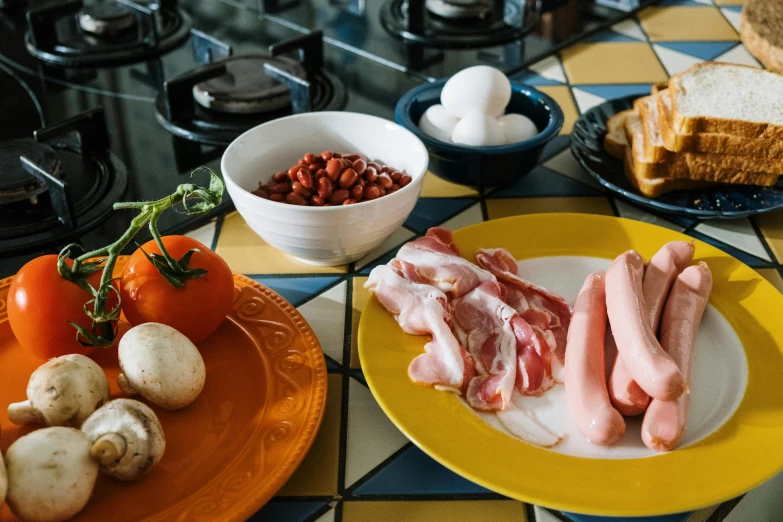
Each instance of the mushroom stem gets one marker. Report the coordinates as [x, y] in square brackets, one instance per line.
[108, 448]
[22, 413]
[125, 386]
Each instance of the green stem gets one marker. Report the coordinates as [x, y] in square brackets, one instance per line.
[103, 319]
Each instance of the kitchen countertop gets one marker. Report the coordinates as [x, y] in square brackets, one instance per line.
[361, 467]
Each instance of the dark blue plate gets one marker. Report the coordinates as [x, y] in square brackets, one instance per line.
[718, 201]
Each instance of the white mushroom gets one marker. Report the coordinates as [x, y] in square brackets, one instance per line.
[162, 365]
[62, 392]
[50, 474]
[127, 438]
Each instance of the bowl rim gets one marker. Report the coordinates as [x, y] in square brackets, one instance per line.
[337, 208]
[553, 127]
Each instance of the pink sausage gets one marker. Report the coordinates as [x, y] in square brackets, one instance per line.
[665, 421]
[651, 367]
[585, 382]
[661, 271]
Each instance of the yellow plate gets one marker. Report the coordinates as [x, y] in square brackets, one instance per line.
[743, 453]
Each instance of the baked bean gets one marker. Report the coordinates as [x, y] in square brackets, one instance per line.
[405, 179]
[360, 166]
[292, 172]
[280, 176]
[326, 155]
[261, 193]
[384, 180]
[280, 187]
[305, 178]
[374, 165]
[371, 173]
[337, 155]
[277, 197]
[309, 158]
[302, 162]
[387, 170]
[357, 192]
[382, 191]
[333, 168]
[320, 173]
[313, 168]
[360, 182]
[349, 202]
[348, 178]
[394, 188]
[347, 164]
[338, 196]
[316, 200]
[396, 175]
[295, 199]
[301, 189]
[372, 191]
[324, 188]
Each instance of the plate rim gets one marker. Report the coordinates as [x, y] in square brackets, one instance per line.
[261, 489]
[630, 196]
[634, 508]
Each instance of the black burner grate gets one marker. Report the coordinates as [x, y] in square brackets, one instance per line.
[56, 36]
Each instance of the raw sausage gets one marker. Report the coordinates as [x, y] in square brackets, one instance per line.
[665, 421]
[585, 382]
[651, 367]
[661, 271]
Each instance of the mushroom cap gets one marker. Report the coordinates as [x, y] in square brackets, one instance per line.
[162, 365]
[50, 474]
[66, 390]
[138, 425]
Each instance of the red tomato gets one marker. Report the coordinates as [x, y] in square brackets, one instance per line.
[196, 309]
[40, 302]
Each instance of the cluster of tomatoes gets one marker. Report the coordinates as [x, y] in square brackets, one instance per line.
[41, 302]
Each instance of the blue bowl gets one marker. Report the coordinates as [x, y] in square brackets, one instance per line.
[483, 166]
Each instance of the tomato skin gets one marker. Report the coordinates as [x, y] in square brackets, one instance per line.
[40, 301]
[196, 309]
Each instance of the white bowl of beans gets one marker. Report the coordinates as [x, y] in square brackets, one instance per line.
[325, 187]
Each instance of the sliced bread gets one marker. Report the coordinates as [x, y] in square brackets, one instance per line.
[761, 30]
[718, 143]
[614, 141]
[714, 168]
[652, 188]
[654, 149]
[726, 98]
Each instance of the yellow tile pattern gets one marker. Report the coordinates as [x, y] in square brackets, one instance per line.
[686, 23]
[498, 208]
[360, 296]
[611, 62]
[435, 511]
[435, 187]
[771, 225]
[317, 475]
[562, 95]
[773, 276]
[246, 253]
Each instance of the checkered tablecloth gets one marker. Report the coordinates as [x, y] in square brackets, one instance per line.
[361, 468]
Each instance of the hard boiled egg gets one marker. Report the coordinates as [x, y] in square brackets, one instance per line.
[517, 127]
[480, 88]
[478, 129]
[438, 122]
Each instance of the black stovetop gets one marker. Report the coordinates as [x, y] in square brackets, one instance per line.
[375, 67]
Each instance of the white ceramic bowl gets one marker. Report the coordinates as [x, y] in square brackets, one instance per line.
[323, 235]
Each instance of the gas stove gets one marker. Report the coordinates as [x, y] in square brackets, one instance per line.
[123, 99]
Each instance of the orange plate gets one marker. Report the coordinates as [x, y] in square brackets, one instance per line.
[230, 451]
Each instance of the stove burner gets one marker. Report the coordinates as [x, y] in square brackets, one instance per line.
[459, 8]
[88, 180]
[58, 34]
[315, 90]
[458, 24]
[15, 182]
[245, 88]
[106, 18]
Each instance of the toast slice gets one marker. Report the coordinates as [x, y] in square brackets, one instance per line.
[713, 168]
[726, 98]
[654, 149]
[652, 188]
[615, 142]
[761, 30]
[718, 143]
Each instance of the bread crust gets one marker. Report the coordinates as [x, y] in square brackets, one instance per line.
[615, 141]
